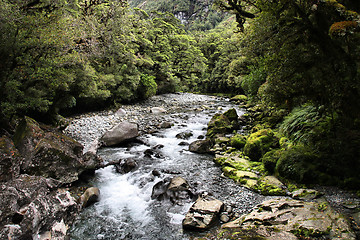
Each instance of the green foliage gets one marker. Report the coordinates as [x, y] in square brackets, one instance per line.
[147, 86]
[300, 124]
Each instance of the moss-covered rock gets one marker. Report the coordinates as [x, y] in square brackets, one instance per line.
[270, 159]
[292, 219]
[260, 142]
[238, 141]
[270, 185]
[231, 114]
[50, 153]
[219, 124]
[239, 98]
[298, 164]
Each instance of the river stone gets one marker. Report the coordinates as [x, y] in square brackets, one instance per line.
[126, 166]
[176, 190]
[49, 153]
[306, 194]
[165, 124]
[201, 146]
[124, 131]
[203, 213]
[293, 219]
[157, 110]
[184, 135]
[34, 205]
[90, 196]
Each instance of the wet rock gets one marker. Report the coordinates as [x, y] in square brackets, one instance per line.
[184, 143]
[184, 135]
[49, 153]
[176, 190]
[156, 173]
[306, 194]
[157, 110]
[10, 160]
[224, 217]
[203, 213]
[90, 196]
[126, 166]
[153, 152]
[165, 125]
[292, 219]
[121, 133]
[201, 137]
[34, 205]
[201, 146]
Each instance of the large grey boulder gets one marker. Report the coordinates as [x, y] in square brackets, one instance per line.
[123, 132]
[33, 205]
[51, 154]
[292, 219]
[203, 213]
[201, 146]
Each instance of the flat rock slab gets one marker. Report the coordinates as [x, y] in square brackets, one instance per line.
[203, 213]
[295, 219]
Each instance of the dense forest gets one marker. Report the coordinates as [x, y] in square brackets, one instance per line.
[298, 61]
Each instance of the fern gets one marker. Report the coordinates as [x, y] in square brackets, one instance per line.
[300, 124]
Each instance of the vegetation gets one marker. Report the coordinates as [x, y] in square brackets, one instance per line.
[296, 61]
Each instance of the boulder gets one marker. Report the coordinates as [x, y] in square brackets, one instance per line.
[90, 196]
[203, 213]
[33, 205]
[184, 135]
[176, 190]
[157, 110]
[293, 219]
[201, 146]
[121, 133]
[219, 125]
[51, 154]
[260, 142]
[10, 160]
[126, 165]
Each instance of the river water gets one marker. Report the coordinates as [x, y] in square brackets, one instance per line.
[125, 209]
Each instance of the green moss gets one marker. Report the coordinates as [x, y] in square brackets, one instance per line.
[238, 141]
[239, 98]
[258, 143]
[298, 164]
[231, 114]
[219, 124]
[270, 159]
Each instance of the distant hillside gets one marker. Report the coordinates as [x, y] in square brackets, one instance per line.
[194, 14]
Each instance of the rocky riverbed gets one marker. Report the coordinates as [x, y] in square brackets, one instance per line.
[157, 182]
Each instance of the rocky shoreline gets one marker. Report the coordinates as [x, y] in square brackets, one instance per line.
[36, 202]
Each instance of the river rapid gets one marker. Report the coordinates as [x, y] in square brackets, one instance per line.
[125, 209]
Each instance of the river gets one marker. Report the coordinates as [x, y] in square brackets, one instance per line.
[125, 209]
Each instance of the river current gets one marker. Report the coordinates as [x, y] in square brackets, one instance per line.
[125, 209]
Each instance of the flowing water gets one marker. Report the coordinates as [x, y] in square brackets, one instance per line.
[126, 210]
